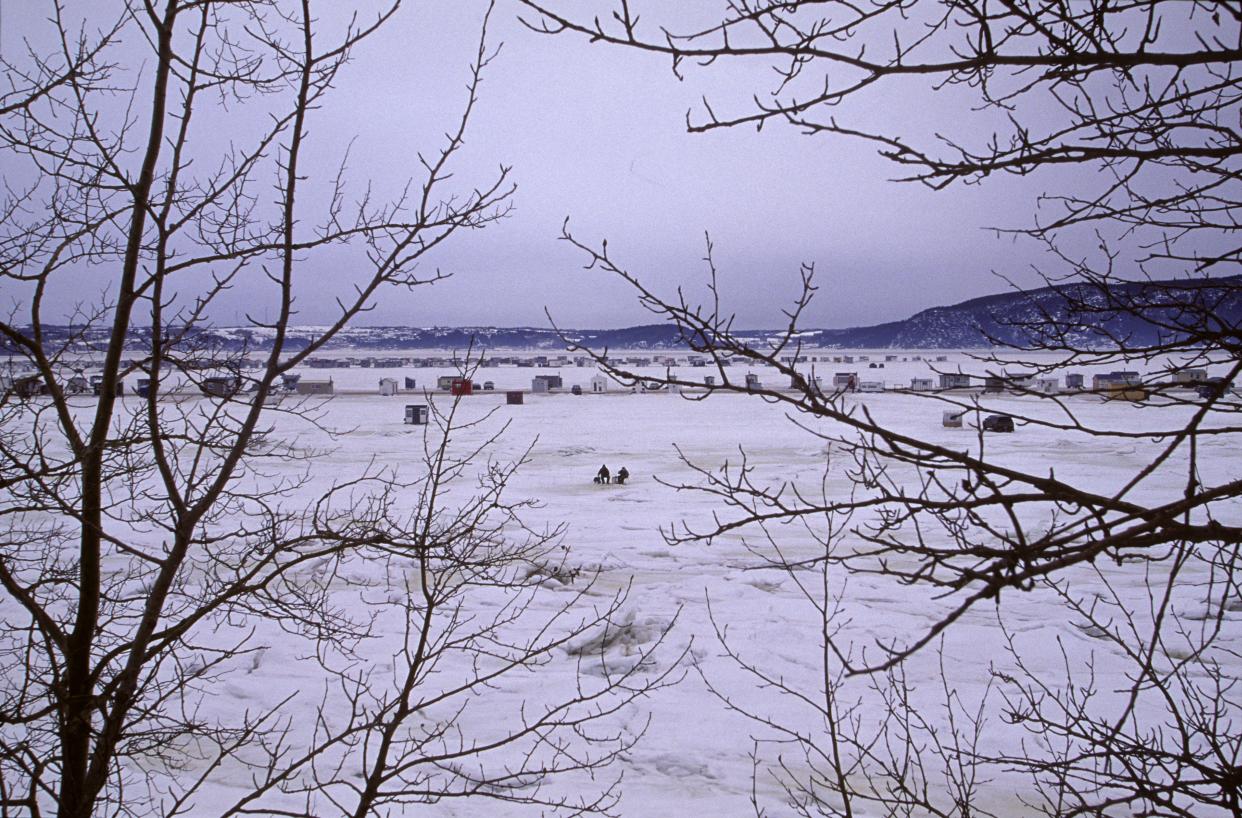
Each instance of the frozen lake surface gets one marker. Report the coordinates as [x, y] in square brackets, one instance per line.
[696, 755]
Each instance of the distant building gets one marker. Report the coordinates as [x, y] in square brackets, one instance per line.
[954, 380]
[77, 384]
[307, 387]
[921, 384]
[28, 386]
[387, 386]
[221, 386]
[1074, 381]
[546, 383]
[845, 381]
[97, 385]
[1118, 378]
[599, 383]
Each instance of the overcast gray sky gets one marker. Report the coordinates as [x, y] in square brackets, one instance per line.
[597, 135]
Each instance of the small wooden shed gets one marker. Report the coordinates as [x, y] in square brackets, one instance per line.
[954, 380]
[308, 387]
[417, 414]
[546, 383]
[77, 384]
[221, 386]
[513, 398]
[28, 386]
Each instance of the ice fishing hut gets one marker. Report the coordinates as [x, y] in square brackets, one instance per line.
[709, 381]
[461, 386]
[952, 419]
[410, 383]
[76, 385]
[513, 398]
[416, 414]
[546, 383]
[387, 387]
[954, 380]
[1118, 379]
[221, 386]
[306, 387]
[845, 381]
[752, 381]
[143, 389]
[445, 382]
[921, 384]
[575, 390]
[599, 384]
[97, 385]
[871, 386]
[289, 381]
[1074, 381]
[993, 384]
[28, 386]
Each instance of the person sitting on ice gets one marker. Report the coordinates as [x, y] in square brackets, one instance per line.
[604, 476]
[622, 476]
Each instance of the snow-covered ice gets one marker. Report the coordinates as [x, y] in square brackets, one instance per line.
[695, 758]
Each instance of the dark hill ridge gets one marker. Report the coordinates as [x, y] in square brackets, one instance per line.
[966, 325]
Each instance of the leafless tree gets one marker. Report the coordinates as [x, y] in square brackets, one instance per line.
[155, 544]
[1146, 94]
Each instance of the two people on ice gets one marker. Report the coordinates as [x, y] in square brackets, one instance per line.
[605, 476]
